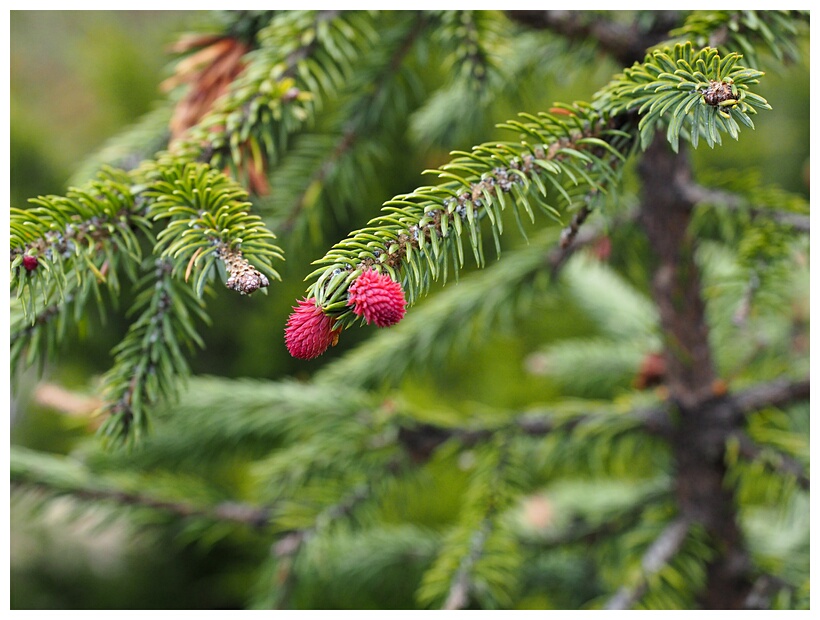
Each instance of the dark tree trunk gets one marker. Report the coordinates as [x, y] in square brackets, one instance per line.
[705, 419]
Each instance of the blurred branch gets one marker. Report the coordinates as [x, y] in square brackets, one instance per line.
[287, 548]
[64, 401]
[764, 590]
[574, 238]
[353, 131]
[625, 42]
[658, 555]
[733, 202]
[774, 459]
[778, 393]
[254, 516]
[580, 531]
[459, 595]
[421, 440]
[569, 233]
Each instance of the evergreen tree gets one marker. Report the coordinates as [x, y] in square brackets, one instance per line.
[610, 412]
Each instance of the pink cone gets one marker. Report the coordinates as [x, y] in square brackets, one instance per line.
[30, 262]
[309, 331]
[378, 298]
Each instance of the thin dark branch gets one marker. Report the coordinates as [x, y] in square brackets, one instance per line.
[774, 459]
[288, 547]
[625, 42]
[580, 531]
[698, 194]
[254, 516]
[778, 393]
[459, 595]
[658, 555]
[579, 239]
[421, 440]
[353, 131]
[570, 232]
[764, 590]
[576, 237]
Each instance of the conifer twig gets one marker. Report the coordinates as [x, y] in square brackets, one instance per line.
[235, 512]
[777, 393]
[734, 202]
[579, 531]
[288, 547]
[421, 440]
[764, 589]
[657, 556]
[353, 132]
[623, 41]
[459, 595]
[776, 460]
[461, 584]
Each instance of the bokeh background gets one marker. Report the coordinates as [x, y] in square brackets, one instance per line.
[79, 77]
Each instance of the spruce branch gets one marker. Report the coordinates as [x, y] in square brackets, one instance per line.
[705, 94]
[79, 240]
[451, 319]
[777, 393]
[225, 512]
[479, 556]
[302, 57]
[475, 45]
[458, 596]
[287, 548]
[226, 418]
[469, 35]
[581, 531]
[745, 31]
[209, 220]
[64, 476]
[421, 232]
[36, 338]
[149, 362]
[773, 459]
[657, 556]
[627, 42]
[750, 203]
[334, 169]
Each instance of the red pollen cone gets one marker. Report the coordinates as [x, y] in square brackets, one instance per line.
[30, 262]
[309, 331]
[378, 298]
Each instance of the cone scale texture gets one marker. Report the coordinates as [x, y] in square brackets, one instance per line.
[309, 331]
[378, 298]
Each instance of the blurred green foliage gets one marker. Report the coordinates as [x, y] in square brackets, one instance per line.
[79, 77]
